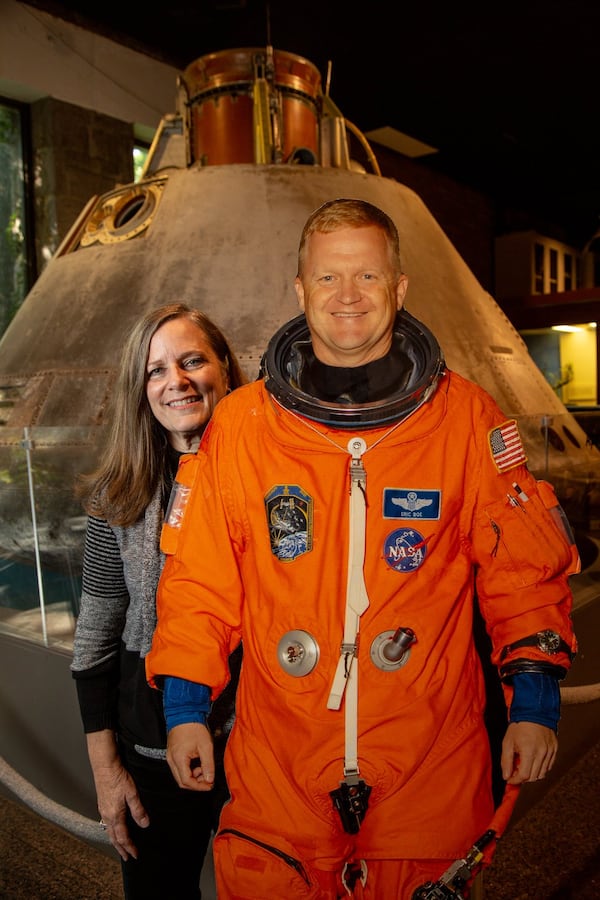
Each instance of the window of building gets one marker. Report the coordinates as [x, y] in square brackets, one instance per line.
[140, 154]
[566, 356]
[568, 272]
[553, 270]
[16, 254]
[538, 268]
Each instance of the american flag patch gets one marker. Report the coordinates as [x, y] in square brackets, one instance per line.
[506, 447]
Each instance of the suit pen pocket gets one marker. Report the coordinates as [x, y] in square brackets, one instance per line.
[561, 522]
[525, 543]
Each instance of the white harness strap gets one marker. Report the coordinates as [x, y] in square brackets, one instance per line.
[357, 601]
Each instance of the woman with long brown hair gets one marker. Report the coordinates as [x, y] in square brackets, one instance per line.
[176, 365]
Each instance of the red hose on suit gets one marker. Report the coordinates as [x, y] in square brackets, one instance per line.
[501, 818]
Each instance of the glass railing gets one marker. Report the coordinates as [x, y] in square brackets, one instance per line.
[42, 530]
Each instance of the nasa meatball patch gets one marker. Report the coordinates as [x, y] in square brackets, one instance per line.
[506, 447]
[290, 521]
[405, 550]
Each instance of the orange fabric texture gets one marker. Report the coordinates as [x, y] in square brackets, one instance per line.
[245, 872]
[439, 523]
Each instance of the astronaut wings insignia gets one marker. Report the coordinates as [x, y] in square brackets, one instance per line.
[411, 502]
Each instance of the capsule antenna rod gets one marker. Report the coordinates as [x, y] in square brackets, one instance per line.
[328, 78]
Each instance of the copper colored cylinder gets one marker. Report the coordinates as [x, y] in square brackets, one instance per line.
[220, 90]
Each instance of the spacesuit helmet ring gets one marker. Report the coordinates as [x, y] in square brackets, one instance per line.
[281, 365]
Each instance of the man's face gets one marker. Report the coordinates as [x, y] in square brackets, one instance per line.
[350, 294]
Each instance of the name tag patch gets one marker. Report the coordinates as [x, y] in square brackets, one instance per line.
[411, 503]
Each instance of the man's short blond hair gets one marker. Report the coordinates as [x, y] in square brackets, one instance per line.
[350, 213]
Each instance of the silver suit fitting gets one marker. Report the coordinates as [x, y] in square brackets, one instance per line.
[297, 653]
[391, 649]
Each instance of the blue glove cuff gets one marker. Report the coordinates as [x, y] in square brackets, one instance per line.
[536, 698]
[185, 701]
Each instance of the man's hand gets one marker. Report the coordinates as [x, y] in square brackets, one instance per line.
[190, 756]
[528, 752]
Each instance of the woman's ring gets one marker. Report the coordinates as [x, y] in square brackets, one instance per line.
[103, 824]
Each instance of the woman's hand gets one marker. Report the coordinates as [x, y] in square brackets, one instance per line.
[115, 791]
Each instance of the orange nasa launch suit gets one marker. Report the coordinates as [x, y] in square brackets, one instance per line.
[261, 556]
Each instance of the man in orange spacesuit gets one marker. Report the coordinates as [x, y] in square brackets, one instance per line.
[350, 505]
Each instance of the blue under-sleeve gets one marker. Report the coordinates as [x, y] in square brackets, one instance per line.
[185, 701]
[536, 699]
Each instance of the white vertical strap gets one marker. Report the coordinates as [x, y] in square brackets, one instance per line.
[356, 590]
[357, 599]
[351, 723]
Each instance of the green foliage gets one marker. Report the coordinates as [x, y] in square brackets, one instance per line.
[558, 380]
[13, 263]
[139, 159]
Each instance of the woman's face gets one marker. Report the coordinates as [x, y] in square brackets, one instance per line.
[184, 381]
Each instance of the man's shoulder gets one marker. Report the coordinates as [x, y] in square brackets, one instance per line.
[464, 386]
[239, 401]
[237, 417]
[470, 399]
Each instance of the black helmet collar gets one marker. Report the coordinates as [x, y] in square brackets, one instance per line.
[280, 369]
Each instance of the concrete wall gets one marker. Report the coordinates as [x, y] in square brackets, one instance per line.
[42, 56]
[88, 97]
[77, 154]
